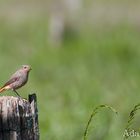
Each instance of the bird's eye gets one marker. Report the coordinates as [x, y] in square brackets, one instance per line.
[24, 67]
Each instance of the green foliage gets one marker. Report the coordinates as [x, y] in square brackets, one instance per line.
[95, 68]
[101, 65]
[94, 112]
[129, 129]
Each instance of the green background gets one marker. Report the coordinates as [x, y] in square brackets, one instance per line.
[97, 62]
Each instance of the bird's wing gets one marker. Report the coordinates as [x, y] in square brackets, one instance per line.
[13, 79]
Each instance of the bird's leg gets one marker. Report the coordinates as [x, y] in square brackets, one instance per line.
[17, 93]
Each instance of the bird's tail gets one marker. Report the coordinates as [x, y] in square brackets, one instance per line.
[4, 88]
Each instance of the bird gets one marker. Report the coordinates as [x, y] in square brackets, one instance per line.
[17, 80]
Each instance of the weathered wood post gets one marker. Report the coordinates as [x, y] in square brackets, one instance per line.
[18, 118]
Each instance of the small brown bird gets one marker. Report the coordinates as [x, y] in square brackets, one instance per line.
[17, 80]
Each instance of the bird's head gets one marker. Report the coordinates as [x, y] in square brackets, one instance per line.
[26, 68]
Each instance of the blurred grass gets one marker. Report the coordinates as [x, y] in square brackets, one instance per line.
[100, 66]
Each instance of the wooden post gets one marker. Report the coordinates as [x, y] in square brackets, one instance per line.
[18, 118]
